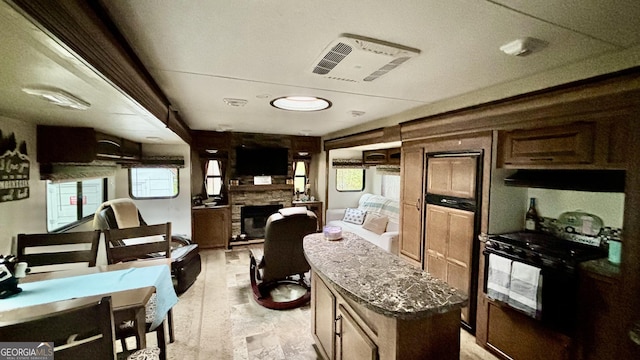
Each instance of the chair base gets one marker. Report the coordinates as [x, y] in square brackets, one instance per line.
[262, 290]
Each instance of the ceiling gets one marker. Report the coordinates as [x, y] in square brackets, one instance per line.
[201, 52]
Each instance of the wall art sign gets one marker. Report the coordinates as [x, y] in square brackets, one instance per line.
[14, 169]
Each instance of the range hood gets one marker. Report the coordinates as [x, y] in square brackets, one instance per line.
[580, 180]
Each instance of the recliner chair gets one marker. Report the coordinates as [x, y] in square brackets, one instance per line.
[185, 257]
[283, 258]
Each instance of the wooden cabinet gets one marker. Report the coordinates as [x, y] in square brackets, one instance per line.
[599, 144]
[597, 325]
[412, 171]
[337, 334]
[353, 342]
[521, 337]
[345, 329]
[381, 157]
[323, 318]
[452, 176]
[60, 144]
[448, 247]
[210, 227]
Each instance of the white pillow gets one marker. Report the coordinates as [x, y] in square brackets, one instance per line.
[376, 223]
[354, 216]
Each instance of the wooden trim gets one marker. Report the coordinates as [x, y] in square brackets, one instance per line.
[363, 138]
[579, 101]
[85, 28]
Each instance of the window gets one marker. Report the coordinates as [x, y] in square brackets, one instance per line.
[300, 176]
[153, 183]
[70, 202]
[213, 179]
[349, 179]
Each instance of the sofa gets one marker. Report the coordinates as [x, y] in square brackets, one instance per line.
[375, 219]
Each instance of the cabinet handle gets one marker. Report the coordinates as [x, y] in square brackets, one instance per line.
[541, 159]
[418, 203]
[447, 201]
[339, 318]
[634, 333]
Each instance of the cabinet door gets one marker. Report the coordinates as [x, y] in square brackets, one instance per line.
[567, 144]
[452, 176]
[411, 205]
[354, 344]
[448, 247]
[323, 326]
[210, 227]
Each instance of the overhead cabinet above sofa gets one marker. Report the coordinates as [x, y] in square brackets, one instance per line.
[57, 144]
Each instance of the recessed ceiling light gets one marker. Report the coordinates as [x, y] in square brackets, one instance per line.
[58, 97]
[301, 103]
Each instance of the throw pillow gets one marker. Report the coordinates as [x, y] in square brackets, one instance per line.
[355, 216]
[376, 223]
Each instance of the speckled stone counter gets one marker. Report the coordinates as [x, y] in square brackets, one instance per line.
[379, 280]
[601, 267]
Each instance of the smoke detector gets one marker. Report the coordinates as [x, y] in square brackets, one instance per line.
[235, 102]
[353, 58]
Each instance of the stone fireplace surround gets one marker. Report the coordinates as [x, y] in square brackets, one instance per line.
[256, 195]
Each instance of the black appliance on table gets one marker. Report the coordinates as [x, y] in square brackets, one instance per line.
[559, 260]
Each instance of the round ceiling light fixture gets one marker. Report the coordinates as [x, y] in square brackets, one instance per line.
[301, 103]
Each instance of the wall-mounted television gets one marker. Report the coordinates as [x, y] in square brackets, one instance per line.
[262, 161]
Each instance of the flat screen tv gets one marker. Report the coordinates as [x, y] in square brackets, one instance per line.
[262, 161]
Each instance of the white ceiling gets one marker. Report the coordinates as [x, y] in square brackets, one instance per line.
[200, 52]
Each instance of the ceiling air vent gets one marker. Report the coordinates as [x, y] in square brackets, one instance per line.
[353, 58]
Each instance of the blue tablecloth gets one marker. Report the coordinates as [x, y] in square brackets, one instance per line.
[46, 291]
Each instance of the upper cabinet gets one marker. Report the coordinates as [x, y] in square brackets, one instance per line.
[579, 145]
[567, 144]
[381, 157]
[58, 144]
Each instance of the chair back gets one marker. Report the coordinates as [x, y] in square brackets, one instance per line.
[283, 253]
[57, 249]
[78, 330]
[138, 242]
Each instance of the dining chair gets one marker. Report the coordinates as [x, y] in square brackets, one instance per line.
[58, 251]
[78, 329]
[129, 244]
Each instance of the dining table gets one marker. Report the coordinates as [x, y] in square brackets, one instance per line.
[130, 285]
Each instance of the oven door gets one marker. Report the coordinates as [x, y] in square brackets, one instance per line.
[558, 300]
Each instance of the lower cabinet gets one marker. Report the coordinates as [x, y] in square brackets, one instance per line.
[210, 227]
[338, 335]
[346, 330]
[521, 337]
[353, 342]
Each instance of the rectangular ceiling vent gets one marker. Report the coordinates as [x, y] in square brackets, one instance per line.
[353, 58]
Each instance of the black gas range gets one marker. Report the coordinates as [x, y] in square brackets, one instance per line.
[558, 260]
[546, 250]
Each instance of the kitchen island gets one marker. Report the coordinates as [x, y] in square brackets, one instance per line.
[369, 304]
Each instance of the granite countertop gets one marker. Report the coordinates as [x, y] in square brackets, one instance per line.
[602, 267]
[379, 280]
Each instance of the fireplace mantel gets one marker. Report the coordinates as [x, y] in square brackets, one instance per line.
[273, 187]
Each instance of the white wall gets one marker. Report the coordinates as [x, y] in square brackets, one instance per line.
[27, 215]
[508, 204]
[551, 203]
[155, 211]
[339, 199]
